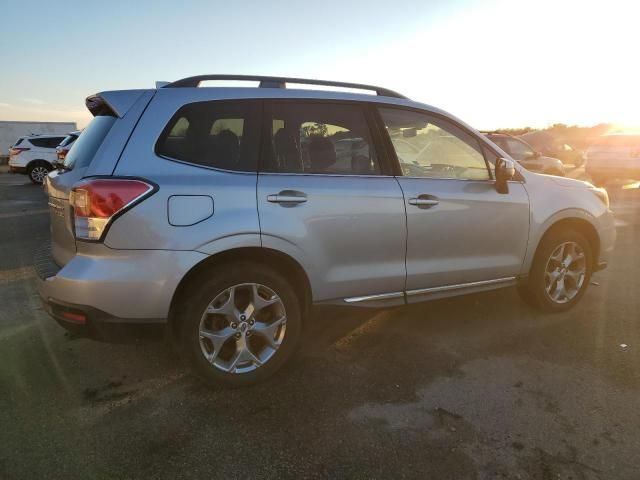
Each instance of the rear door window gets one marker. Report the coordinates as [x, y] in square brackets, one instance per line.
[88, 143]
[317, 138]
[214, 134]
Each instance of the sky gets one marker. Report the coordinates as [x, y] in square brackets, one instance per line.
[493, 63]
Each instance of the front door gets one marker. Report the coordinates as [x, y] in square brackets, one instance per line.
[460, 230]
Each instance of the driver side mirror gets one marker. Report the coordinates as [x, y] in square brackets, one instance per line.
[505, 171]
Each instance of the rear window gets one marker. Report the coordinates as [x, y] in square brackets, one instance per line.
[46, 142]
[214, 134]
[68, 140]
[618, 141]
[88, 143]
[18, 142]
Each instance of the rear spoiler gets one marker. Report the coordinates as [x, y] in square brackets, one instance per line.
[115, 103]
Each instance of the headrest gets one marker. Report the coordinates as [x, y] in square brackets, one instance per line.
[322, 153]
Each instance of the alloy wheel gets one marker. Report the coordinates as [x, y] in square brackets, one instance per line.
[565, 272]
[242, 328]
[39, 173]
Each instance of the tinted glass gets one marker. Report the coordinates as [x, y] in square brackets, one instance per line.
[319, 138]
[519, 150]
[46, 142]
[68, 140]
[214, 134]
[427, 146]
[88, 143]
[18, 142]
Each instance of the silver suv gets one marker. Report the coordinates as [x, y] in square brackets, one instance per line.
[225, 213]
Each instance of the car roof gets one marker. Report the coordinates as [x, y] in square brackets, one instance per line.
[44, 135]
[119, 101]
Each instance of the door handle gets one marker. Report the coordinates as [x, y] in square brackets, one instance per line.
[423, 202]
[287, 196]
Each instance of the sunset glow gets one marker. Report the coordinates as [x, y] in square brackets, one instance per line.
[494, 64]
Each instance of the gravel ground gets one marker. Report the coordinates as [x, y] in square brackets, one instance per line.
[476, 387]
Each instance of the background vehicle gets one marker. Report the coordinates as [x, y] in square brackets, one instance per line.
[225, 213]
[551, 146]
[66, 144]
[614, 157]
[34, 155]
[12, 130]
[525, 155]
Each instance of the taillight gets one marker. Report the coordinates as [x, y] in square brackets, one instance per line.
[97, 201]
[62, 153]
[17, 150]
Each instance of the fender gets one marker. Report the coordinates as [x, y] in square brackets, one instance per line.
[542, 226]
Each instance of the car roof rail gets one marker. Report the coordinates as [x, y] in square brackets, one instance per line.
[280, 82]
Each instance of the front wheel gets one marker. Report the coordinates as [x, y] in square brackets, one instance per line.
[38, 171]
[241, 325]
[561, 271]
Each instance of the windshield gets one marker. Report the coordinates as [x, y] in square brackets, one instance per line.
[88, 143]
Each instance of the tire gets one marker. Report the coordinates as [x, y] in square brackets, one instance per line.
[38, 170]
[248, 348]
[549, 266]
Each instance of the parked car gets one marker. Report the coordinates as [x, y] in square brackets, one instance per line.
[197, 208]
[65, 145]
[34, 155]
[548, 144]
[614, 157]
[522, 152]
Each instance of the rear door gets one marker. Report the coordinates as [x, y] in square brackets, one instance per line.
[459, 229]
[326, 199]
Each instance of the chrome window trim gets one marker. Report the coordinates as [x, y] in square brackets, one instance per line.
[490, 180]
[303, 174]
[445, 288]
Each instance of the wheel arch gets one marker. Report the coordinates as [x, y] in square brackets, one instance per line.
[579, 224]
[38, 160]
[278, 261]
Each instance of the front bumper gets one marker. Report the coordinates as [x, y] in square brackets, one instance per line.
[113, 286]
[607, 234]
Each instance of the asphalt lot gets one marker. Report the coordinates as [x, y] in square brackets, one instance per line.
[476, 387]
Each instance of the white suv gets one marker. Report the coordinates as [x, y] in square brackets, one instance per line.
[34, 155]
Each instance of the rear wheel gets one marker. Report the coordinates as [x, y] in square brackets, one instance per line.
[241, 325]
[561, 271]
[38, 171]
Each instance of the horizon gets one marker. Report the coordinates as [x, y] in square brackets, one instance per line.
[493, 64]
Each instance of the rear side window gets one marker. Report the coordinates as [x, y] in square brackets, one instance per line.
[88, 143]
[214, 134]
[314, 138]
[46, 142]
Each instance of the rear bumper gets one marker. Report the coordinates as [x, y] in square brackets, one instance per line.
[113, 286]
[631, 171]
[14, 169]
